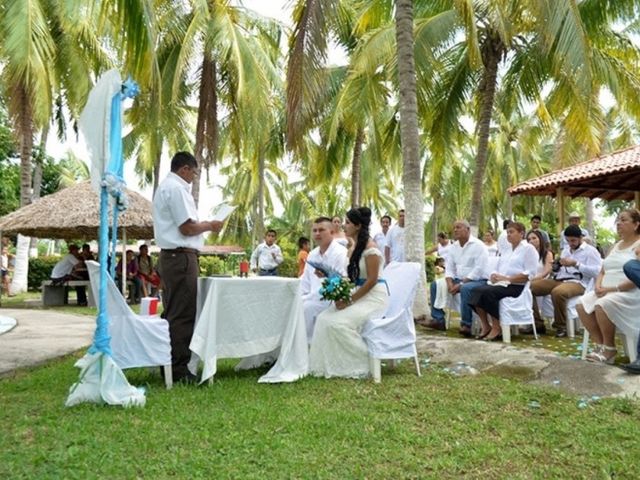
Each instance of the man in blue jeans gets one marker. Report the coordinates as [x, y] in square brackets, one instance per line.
[632, 271]
[464, 270]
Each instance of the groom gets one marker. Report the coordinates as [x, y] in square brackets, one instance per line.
[632, 271]
[328, 253]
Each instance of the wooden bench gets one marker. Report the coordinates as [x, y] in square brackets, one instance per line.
[56, 295]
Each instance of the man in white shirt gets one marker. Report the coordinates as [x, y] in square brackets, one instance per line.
[503, 243]
[579, 263]
[267, 256]
[465, 270]
[328, 253]
[394, 248]
[381, 237]
[64, 270]
[178, 233]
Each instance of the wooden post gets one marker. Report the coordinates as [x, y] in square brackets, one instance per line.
[636, 200]
[560, 198]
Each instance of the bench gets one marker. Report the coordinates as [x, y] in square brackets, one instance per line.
[56, 295]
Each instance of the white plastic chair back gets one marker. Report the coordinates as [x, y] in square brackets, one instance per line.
[393, 335]
[136, 341]
[517, 310]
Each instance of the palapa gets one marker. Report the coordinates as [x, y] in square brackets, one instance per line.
[74, 213]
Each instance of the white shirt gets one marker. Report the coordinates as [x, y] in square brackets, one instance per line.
[443, 250]
[395, 243]
[469, 261]
[381, 240]
[173, 205]
[522, 259]
[589, 264]
[503, 243]
[263, 257]
[64, 266]
[335, 257]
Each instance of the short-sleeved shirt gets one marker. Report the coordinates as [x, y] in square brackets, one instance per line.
[395, 242]
[173, 205]
[64, 266]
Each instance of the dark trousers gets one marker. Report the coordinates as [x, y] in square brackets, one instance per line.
[267, 273]
[179, 272]
[81, 292]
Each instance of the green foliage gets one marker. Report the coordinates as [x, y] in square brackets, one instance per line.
[288, 268]
[212, 265]
[40, 270]
[429, 267]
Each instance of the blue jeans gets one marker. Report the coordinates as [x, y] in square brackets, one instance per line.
[466, 312]
[632, 271]
[437, 314]
[267, 273]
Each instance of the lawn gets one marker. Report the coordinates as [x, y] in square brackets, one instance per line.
[437, 426]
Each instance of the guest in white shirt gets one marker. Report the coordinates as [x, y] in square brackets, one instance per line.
[515, 268]
[338, 233]
[394, 248]
[503, 243]
[66, 270]
[579, 263]
[465, 270]
[331, 255]
[267, 256]
[381, 237]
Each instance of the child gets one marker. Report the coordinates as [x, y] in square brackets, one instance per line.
[439, 267]
[304, 246]
[267, 256]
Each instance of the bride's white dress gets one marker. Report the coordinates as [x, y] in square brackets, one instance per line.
[337, 348]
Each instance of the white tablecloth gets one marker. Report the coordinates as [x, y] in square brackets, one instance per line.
[245, 317]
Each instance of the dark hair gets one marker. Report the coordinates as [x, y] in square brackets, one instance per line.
[542, 245]
[302, 241]
[401, 210]
[358, 216]
[387, 217]
[271, 230]
[181, 159]
[86, 245]
[323, 219]
[505, 223]
[443, 235]
[536, 217]
[439, 260]
[635, 216]
[573, 231]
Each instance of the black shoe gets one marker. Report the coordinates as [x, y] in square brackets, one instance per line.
[633, 367]
[561, 334]
[187, 379]
[465, 331]
[528, 330]
[434, 325]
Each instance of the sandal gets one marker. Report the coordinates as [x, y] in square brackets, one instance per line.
[598, 355]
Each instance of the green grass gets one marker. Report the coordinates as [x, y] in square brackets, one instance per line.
[437, 426]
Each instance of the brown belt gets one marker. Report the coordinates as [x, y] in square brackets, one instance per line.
[180, 250]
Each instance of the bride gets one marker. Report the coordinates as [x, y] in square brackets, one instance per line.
[337, 349]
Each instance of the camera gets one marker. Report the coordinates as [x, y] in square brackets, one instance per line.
[555, 267]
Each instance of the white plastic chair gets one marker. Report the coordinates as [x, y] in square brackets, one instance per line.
[545, 307]
[136, 340]
[393, 336]
[517, 311]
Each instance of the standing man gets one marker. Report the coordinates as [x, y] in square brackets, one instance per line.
[579, 263]
[178, 233]
[381, 237]
[536, 220]
[632, 271]
[330, 254]
[394, 248]
[267, 256]
[465, 270]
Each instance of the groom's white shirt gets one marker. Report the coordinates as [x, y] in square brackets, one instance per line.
[335, 258]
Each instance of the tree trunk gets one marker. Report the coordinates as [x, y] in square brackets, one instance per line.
[412, 173]
[156, 171]
[434, 220]
[588, 210]
[356, 182]
[491, 54]
[260, 213]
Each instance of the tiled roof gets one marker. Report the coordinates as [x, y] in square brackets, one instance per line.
[612, 176]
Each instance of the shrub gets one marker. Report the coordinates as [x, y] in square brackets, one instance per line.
[429, 267]
[40, 269]
[288, 268]
[211, 265]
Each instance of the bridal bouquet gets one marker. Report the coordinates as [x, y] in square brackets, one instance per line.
[336, 288]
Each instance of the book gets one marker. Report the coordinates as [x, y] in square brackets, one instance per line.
[222, 211]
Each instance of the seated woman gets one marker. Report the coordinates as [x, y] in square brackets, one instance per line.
[535, 238]
[337, 349]
[517, 265]
[489, 239]
[339, 235]
[615, 300]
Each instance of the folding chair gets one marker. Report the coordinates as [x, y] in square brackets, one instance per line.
[393, 336]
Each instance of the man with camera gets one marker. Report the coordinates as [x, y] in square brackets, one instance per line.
[579, 262]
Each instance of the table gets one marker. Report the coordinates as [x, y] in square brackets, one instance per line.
[246, 317]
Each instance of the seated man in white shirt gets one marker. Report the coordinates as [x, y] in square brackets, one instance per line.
[579, 263]
[267, 256]
[65, 270]
[328, 253]
[464, 270]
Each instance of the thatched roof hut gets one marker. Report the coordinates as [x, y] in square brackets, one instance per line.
[74, 213]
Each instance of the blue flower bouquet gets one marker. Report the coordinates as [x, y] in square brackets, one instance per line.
[336, 288]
